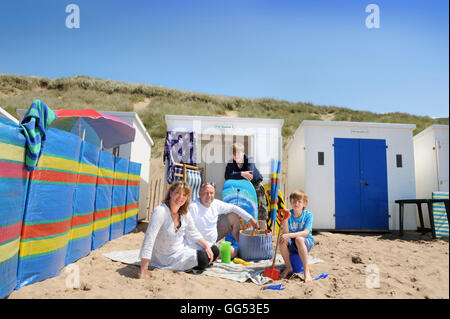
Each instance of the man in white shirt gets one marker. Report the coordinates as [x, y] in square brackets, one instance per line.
[214, 219]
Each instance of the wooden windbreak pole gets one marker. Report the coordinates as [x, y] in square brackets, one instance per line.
[149, 199]
[154, 195]
[159, 191]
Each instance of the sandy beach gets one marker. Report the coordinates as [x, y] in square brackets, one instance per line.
[414, 266]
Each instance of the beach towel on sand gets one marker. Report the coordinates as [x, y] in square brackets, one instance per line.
[253, 272]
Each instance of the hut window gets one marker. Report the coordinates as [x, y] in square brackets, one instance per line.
[399, 160]
[321, 158]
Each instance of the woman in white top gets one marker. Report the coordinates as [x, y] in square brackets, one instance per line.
[163, 245]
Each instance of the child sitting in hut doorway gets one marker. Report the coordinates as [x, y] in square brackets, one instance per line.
[296, 234]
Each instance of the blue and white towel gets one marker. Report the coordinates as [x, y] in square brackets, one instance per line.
[440, 215]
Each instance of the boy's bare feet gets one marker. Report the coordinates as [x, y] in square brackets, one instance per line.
[308, 276]
[285, 272]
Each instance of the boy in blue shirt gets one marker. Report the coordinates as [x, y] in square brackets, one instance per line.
[296, 233]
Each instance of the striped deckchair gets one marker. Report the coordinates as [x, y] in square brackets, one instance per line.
[440, 215]
[193, 177]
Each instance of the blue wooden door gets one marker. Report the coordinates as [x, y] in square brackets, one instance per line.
[374, 195]
[361, 200]
[347, 183]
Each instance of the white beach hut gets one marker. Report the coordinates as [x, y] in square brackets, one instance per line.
[353, 172]
[261, 138]
[431, 162]
[138, 151]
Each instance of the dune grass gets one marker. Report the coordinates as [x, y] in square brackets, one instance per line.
[18, 92]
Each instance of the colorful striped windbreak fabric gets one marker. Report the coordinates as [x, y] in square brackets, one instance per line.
[440, 215]
[119, 197]
[48, 211]
[132, 203]
[13, 186]
[64, 208]
[34, 124]
[103, 195]
[80, 238]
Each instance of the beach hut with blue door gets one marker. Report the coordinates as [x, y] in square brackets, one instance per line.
[353, 172]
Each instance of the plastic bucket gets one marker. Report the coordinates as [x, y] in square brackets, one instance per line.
[296, 263]
[226, 252]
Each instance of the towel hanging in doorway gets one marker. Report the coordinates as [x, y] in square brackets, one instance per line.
[180, 147]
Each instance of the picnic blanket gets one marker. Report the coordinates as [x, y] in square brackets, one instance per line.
[232, 271]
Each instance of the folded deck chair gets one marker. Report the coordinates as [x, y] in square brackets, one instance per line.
[440, 215]
[193, 175]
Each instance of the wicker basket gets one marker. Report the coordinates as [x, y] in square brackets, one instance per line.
[257, 248]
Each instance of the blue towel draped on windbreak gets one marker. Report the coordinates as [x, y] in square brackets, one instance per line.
[38, 117]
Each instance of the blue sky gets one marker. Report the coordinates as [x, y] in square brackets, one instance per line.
[312, 51]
